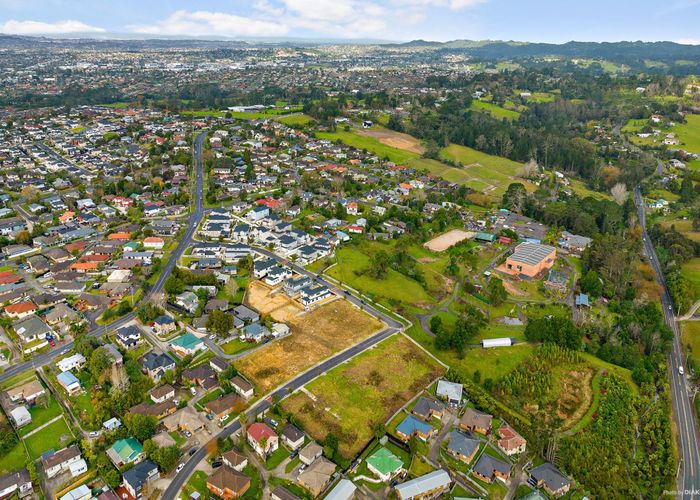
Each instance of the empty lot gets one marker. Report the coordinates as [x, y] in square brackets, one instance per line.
[353, 398]
[315, 336]
[446, 240]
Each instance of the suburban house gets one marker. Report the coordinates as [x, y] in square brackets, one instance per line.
[235, 459]
[18, 482]
[427, 408]
[530, 260]
[155, 365]
[343, 490]
[292, 437]
[187, 301]
[226, 482]
[430, 485]
[263, 439]
[187, 345]
[21, 416]
[164, 324]
[129, 337]
[75, 361]
[310, 452]
[222, 406]
[384, 464]
[476, 421]
[316, 476]
[55, 463]
[82, 492]
[547, 476]
[69, 382]
[20, 310]
[125, 451]
[510, 442]
[162, 393]
[27, 392]
[242, 387]
[137, 478]
[462, 446]
[449, 391]
[282, 493]
[411, 426]
[186, 419]
[488, 468]
[32, 331]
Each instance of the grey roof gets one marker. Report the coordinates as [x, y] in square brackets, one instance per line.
[422, 484]
[531, 253]
[487, 464]
[550, 475]
[32, 326]
[138, 475]
[425, 405]
[344, 490]
[461, 443]
[450, 390]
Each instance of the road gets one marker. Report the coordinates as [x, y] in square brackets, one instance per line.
[686, 421]
[192, 223]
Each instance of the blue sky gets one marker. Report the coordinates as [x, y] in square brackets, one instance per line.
[524, 20]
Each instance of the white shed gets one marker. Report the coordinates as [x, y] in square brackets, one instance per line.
[501, 342]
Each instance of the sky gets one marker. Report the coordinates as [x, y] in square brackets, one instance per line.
[553, 21]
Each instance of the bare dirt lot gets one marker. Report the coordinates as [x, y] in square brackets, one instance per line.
[395, 140]
[279, 306]
[446, 240]
[315, 336]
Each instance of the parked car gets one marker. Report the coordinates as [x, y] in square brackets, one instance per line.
[217, 464]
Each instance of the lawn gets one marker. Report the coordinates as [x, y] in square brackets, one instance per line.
[296, 120]
[41, 415]
[55, 436]
[690, 335]
[495, 110]
[315, 336]
[276, 458]
[354, 261]
[14, 460]
[234, 346]
[691, 271]
[198, 483]
[689, 133]
[352, 399]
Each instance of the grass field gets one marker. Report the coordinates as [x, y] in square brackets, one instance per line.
[691, 271]
[294, 120]
[52, 437]
[690, 335]
[689, 133]
[351, 399]
[495, 110]
[14, 460]
[394, 287]
[315, 336]
[41, 415]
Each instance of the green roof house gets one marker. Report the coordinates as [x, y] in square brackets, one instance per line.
[187, 344]
[384, 464]
[125, 451]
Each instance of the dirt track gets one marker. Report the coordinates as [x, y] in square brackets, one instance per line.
[395, 140]
[446, 240]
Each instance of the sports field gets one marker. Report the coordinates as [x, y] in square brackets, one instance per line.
[350, 400]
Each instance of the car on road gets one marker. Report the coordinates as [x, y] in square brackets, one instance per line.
[680, 370]
[93, 434]
[179, 468]
[52, 343]
[347, 292]
[192, 451]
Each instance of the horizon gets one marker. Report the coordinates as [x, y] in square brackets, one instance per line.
[377, 20]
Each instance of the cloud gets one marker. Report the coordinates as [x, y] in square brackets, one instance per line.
[40, 28]
[202, 23]
[450, 4]
[689, 41]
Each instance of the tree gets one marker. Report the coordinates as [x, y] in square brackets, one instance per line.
[23, 238]
[379, 265]
[555, 329]
[219, 322]
[515, 197]
[435, 324]
[30, 193]
[174, 285]
[496, 292]
[592, 284]
[619, 193]
[99, 364]
[140, 426]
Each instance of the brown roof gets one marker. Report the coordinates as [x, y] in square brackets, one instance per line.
[475, 418]
[61, 456]
[223, 404]
[241, 383]
[229, 478]
[154, 410]
[162, 391]
[234, 457]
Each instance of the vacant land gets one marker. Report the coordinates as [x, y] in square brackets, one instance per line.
[395, 139]
[295, 120]
[495, 110]
[448, 239]
[352, 399]
[279, 306]
[690, 336]
[691, 271]
[54, 436]
[315, 336]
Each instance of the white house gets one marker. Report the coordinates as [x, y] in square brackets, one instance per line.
[75, 361]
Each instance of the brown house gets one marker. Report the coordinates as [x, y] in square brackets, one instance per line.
[476, 421]
[228, 483]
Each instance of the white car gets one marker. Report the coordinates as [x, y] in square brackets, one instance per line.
[179, 468]
[224, 418]
[680, 370]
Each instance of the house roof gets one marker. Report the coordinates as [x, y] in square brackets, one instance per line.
[60, 457]
[222, 404]
[292, 433]
[462, 444]
[385, 461]
[67, 379]
[258, 431]
[234, 457]
[127, 449]
[138, 475]
[188, 341]
[283, 493]
[476, 418]
[425, 405]
[531, 253]
[317, 475]
[344, 490]
[228, 478]
[410, 424]
[450, 390]
[420, 485]
[486, 465]
[550, 475]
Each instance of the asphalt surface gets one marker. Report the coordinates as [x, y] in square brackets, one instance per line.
[193, 222]
[688, 481]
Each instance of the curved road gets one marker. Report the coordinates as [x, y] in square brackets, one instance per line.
[192, 223]
[688, 481]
